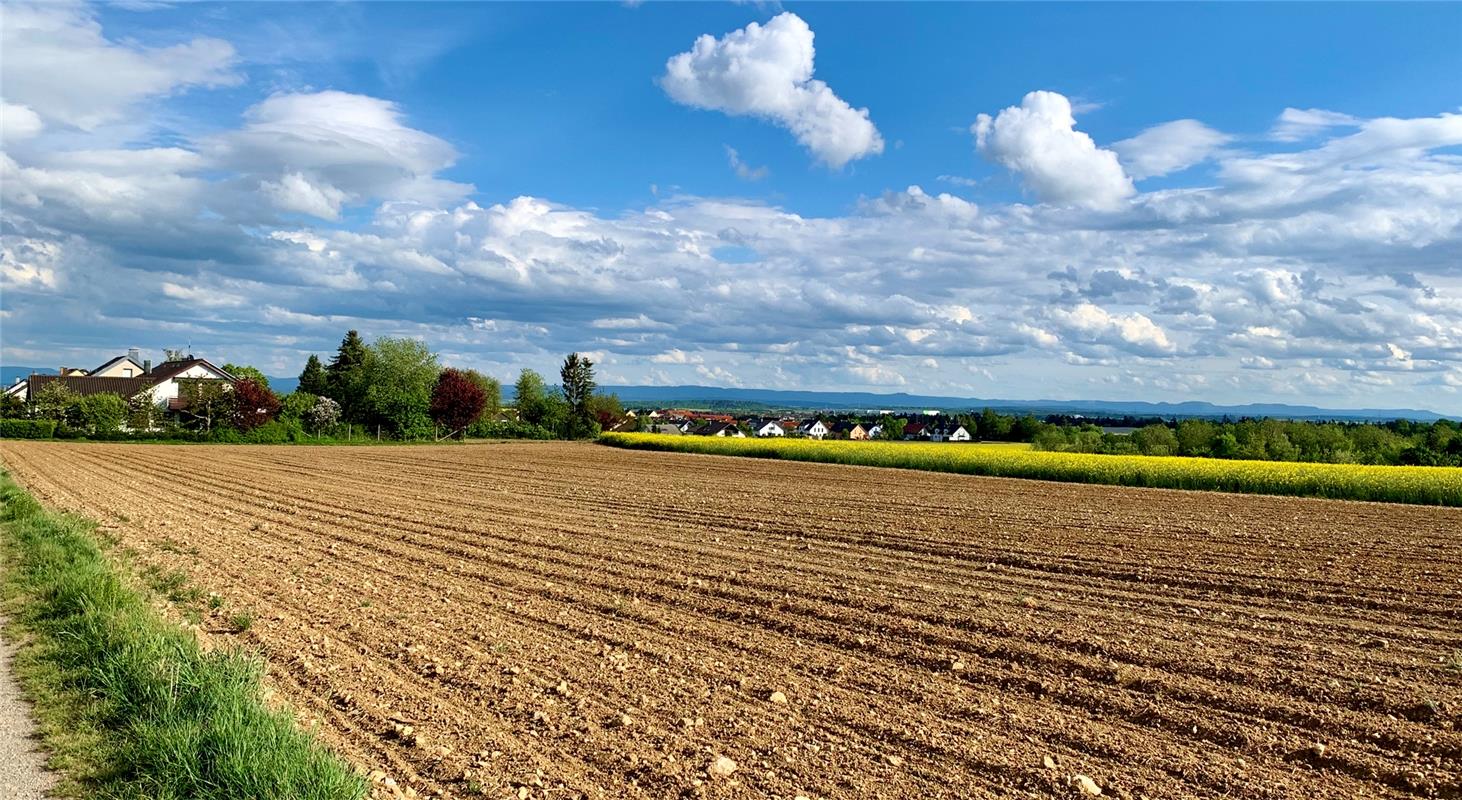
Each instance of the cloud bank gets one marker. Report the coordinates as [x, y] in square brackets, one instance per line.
[1327, 268]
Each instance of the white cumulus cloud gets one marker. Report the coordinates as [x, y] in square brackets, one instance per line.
[1295, 124]
[295, 192]
[1169, 147]
[1134, 332]
[1060, 164]
[355, 147]
[766, 71]
[18, 122]
[57, 62]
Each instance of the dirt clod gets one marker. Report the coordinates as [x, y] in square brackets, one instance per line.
[722, 767]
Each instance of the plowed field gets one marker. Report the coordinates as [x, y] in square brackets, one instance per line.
[568, 620]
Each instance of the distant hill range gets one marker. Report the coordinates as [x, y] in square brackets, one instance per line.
[718, 397]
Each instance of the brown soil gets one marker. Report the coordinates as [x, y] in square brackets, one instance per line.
[567, 620]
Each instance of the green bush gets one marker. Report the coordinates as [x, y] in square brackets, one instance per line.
[507, 429]
[100, 413]
[297, 405]
[277, 432]
[27, 428]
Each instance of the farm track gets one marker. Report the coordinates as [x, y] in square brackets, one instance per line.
[1167, 644]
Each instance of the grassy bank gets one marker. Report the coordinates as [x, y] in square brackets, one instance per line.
[129, 704]
[1420, 485]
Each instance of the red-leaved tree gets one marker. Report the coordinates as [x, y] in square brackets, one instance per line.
[456, 401]
[253, 405]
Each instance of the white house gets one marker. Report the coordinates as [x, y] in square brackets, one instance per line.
[813, 429]
[957, 433]
[764, 428]
[131, 379]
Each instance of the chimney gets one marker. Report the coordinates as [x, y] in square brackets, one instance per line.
[134, 354]
[147, 367]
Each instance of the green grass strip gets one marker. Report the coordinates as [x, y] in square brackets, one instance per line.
[129, 704]
[1418, 485]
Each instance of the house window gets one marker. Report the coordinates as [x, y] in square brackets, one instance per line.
[127, 372]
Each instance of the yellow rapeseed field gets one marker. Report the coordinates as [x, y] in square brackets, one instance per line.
[1422, 485]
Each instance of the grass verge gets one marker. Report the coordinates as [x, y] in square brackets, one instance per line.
[1419, 485]
[128, 703]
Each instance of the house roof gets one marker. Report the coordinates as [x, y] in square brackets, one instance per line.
[126, 387]
[168, 369]
[110, 362]
[713, 428]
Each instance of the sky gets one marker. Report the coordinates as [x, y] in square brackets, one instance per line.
[1230, 202]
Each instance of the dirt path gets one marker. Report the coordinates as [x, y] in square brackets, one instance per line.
[564, 620]
[23, 772]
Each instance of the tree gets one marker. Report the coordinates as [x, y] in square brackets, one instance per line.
[53, 401]
[606, 410]
[103, 412]
[492, 391]
[296, 405]
[577, 377]
[456, 401]
[531, 398]
[892, 427]
[994, 426]
[206, 401]
[399, 376]
[253, 405]
[141, 412]
[1155, 440]
[313, 379]
[324, 416]
[345, 378]
[244, 372]
[1026, 428]
[1196, 437]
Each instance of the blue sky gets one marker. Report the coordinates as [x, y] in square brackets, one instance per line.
[1231, 202]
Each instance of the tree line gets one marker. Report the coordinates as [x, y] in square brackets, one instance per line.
[1435, 444]
[1397, 442]
[391, 388]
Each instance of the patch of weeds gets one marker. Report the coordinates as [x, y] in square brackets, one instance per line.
[1455, 662]
[215, 601]
[241, 622]
[174, 586]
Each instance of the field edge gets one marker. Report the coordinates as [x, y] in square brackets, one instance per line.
[127, 703]
[1430, 486]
